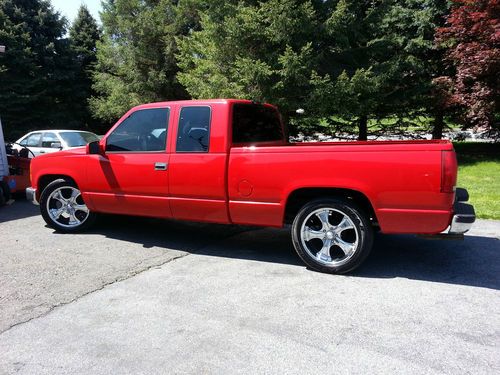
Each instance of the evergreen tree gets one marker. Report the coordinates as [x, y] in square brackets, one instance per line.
[265, 51]
[136, 57]
[385, 54]
[352, 59]
[84, 34]
[35, 70]
[411, 26]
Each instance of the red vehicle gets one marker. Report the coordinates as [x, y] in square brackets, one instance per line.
[229, 161]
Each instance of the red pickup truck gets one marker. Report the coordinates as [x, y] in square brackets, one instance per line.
[230, 161]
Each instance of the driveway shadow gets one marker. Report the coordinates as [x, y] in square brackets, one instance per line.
[475, 261]
[229, 241]
[19, 209]
[472, 262]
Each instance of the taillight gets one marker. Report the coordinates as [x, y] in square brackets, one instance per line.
[448, 171]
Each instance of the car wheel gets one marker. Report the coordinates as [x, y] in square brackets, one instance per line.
[63, 208]
[332, 235]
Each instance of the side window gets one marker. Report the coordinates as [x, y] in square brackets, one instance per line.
[33, 140]
[48, 139]
[143, 131]
[193, 133]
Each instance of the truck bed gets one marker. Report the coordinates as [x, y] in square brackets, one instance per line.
[390, 174]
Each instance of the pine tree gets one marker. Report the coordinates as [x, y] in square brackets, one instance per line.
[35, 70]
[385, 54]
[136, 57]
[264, 51]
[84, 35]
[357, 60]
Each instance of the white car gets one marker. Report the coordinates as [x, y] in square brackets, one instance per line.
[46, 141]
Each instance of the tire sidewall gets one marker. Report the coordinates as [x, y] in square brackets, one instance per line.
[358, 217]
[45, 214]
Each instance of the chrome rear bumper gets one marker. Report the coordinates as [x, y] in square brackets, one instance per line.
[462, 220]
[31, 195]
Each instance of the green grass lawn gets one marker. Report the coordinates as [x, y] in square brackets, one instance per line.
[479, 173]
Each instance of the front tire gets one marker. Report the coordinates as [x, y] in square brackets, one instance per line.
[332, 235]
[63, 208]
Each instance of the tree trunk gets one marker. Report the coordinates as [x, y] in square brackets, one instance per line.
[285, 118]
[363, 128]
[438, 125]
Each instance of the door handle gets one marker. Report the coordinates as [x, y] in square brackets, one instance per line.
[42, 152]
[161, 166]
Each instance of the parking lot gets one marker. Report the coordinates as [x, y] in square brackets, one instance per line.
[149, 296]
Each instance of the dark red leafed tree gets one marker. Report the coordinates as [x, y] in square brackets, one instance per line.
[472, 39]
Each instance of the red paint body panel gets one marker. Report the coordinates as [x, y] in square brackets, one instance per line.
[251, 184]
[127, 183]
[197, 186]
[393, 176]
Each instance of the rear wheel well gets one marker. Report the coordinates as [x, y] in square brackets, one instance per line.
[48, 178]
[298, 198]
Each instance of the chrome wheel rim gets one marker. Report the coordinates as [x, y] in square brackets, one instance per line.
[65, 207]
[329, 236]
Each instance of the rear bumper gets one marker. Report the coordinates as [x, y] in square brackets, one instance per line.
[462, 220]
[464, 215]
[31, 195]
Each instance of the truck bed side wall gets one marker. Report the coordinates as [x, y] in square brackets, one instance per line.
[402, 182]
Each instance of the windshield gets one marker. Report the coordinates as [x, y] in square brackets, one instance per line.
[75, 139]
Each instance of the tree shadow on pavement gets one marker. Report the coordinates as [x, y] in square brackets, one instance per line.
[472, 262]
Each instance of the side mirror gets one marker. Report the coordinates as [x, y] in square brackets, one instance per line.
[56, 145]
[95, 148]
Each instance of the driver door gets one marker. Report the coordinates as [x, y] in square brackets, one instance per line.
[132, 175]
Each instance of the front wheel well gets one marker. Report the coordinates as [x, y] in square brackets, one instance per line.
[48, 178]
[298, 198]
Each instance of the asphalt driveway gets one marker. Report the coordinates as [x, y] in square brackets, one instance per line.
[149, 296]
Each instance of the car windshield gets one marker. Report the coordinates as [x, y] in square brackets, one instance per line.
[75, 139]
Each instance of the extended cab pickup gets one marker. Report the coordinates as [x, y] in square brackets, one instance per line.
[229, 161]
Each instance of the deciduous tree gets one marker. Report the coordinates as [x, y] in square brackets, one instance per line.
[472, 35]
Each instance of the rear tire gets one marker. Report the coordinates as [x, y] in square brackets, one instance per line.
[63, 208]
[332, 235]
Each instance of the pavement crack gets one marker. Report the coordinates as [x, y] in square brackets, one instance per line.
[127, 276]
[131, 274]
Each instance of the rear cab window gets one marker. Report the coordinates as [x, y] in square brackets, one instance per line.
[256, 123]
